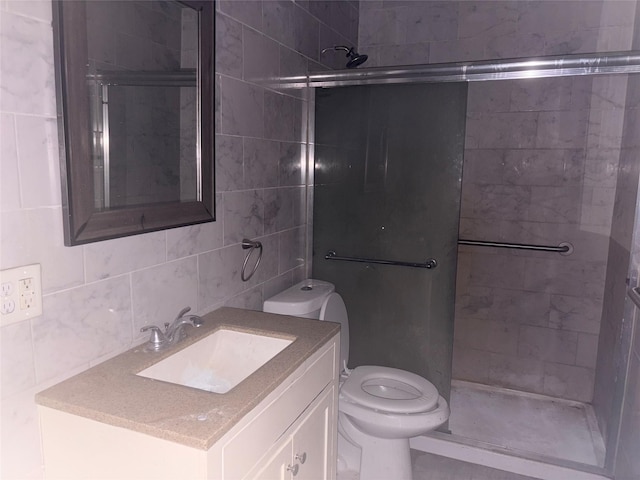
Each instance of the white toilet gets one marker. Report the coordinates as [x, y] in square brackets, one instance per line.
[380, 408]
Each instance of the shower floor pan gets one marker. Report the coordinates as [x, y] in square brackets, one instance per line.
[523, 433]
[526, 422]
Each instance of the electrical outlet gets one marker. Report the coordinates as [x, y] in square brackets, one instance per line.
[20, 294]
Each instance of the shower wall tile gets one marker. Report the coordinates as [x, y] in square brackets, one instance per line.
[488, 335]
[249, 300]
[279, 119]
[470, 364]
[123, 255]
[398, 54]
[587, 351]
[160, 292]
[560, 168]
[277, 20]
[291, 249]
[260, 58]
[561, 129]
[81, 324]
[567, 381]
[292, 156]
[498, 271]
[577, 314]
[565, 277]
[517, 45]
[37, 144]
[454, 50]
[544, 94]
[306, 31]
[605, 129]
[243, 215]
[242, 108]
[195, 239]
[41, 241]
[248, 12]
[379, 27]
[555, 204]
[516, 372]
[492, 18]
[424, 22]
[495, 201]
[601, 167]
[547, 345]
[9, 176]
[229, 53]
[484, 97]
[26, 61]
[229, 163]
[504, 130]
[261, 163]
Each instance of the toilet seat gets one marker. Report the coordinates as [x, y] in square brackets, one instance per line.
[390, 389]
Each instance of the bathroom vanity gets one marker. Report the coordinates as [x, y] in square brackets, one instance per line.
[278, 423]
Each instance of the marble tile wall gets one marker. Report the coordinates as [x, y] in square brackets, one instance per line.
[541, 159]
[400, 32]
[530, 320]
[97, 296]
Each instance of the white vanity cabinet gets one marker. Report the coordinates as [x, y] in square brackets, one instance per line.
[290, 434]
[305, 451]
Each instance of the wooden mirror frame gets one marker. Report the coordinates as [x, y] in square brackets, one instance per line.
[82, 222]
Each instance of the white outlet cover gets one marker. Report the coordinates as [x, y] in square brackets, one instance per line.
[11, 292]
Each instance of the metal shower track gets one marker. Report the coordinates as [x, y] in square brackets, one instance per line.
[509, 69]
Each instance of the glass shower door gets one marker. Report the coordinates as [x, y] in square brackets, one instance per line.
[388, 168]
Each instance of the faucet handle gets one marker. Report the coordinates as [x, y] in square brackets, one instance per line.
[157, 337]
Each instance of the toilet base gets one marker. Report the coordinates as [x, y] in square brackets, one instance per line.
[375, 458]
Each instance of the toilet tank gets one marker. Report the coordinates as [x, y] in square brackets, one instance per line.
[314, 299]
[304, 299]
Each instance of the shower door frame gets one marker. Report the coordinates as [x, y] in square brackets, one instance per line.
[617, 63]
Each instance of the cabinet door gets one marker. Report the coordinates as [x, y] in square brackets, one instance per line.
[277, 464]
[312, 442]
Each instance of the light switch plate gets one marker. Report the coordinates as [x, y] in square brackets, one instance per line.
[20, 294]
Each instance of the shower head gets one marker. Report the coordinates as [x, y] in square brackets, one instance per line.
[355, 59]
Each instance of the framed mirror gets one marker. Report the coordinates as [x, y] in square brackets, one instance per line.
[135, 98]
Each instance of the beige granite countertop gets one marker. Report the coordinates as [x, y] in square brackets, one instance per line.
[112, 393]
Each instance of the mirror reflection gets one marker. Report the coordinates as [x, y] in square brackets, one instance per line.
[143, 102]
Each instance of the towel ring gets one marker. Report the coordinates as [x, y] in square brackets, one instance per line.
[251, 246]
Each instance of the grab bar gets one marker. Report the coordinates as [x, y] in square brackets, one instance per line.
[429, 263]
[565, 248]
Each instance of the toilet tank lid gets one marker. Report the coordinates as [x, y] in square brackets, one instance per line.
[304, 297]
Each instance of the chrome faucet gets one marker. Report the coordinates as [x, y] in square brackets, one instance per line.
[173, 332]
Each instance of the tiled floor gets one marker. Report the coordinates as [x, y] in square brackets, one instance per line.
[526, 422]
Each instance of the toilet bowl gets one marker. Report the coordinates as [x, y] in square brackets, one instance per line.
[379, 408]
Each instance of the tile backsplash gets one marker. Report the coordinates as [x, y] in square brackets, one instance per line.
[97, 296]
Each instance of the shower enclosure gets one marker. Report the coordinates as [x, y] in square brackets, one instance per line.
[537, 172]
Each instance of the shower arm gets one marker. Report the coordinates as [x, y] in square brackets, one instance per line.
[339, 47]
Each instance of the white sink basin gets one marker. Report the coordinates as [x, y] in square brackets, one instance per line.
[219, 362]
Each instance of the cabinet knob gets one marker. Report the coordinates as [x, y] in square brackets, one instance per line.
[293, 469]
[301, 457]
